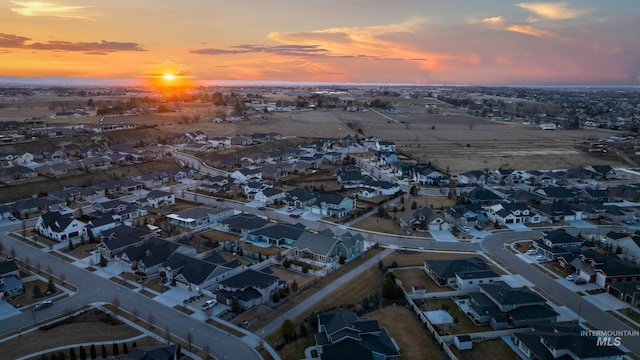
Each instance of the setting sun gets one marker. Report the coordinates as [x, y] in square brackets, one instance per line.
[169, 76]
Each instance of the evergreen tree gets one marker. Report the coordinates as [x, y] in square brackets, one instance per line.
[303, 330]
[51, 287]
[365, 302]
[61, 355]
[376, 298]
[83, 353]
[287, 330]
[135, 345]
[92, 352]
[116, 351]
[313, 319]
[72, 354]
[125, 349]
[103, 351]
[36, 291]
[389, 290]
[44, 357]
[414, 205]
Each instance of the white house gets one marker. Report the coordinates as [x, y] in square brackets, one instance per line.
[59, 227]
[159, 198]
[269, 195]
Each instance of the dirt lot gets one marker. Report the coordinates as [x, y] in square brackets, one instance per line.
[375, 223]
[407, 332]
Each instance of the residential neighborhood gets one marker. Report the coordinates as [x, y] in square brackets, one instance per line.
[322, 244]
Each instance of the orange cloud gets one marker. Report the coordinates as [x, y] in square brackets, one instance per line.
[530, 30]
[554, 11]
[43, 8]
[493, 20]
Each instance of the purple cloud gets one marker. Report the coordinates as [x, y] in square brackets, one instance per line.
[11, 41]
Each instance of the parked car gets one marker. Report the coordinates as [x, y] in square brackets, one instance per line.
[478, 227]
[12, 218]
[261, 208]
[532, 252]
[209, 304]
[294, 215]
[291, 208]
[581, 281]
[42, 305]
[464, 229]
[572, 277]
[541, 258]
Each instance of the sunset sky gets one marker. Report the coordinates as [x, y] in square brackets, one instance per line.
[490, 42]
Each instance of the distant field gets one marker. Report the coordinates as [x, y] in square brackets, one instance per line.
[449, 140]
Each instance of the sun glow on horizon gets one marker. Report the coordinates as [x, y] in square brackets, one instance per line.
[168, 76]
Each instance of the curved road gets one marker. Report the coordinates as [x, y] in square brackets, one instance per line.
[494, 244]
[93, 288]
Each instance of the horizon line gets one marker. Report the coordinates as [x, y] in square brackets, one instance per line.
[127, 82]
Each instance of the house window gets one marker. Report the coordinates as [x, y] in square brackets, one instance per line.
[480, 282]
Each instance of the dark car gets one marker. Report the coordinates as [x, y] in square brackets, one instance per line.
[42, 305]
[294, 215]
[261, 208]
[580, 281]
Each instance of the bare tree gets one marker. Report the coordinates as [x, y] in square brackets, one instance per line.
[209, 312]
[115, 302]
[38, 266]
[49, 269]
[151, 319]
[135, 312]
[167, 334]
[189, 340]
[207, 351]
[13, 252]
[62, 277]
[27, 261]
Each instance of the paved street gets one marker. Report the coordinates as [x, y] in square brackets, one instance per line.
[494, 245]
[95, 289]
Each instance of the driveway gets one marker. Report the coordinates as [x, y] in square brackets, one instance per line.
[518, 227]
[582, 224]
[443, 235]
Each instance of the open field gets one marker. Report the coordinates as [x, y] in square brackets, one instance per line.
[378, 224]
[414, 258]
[452, 139]
[406, 331]
[73, 333]
[462, 142]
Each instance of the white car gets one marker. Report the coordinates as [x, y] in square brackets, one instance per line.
[209, 304]
[572, 277]
[541, 258]
[464, 229]
[532, 252]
